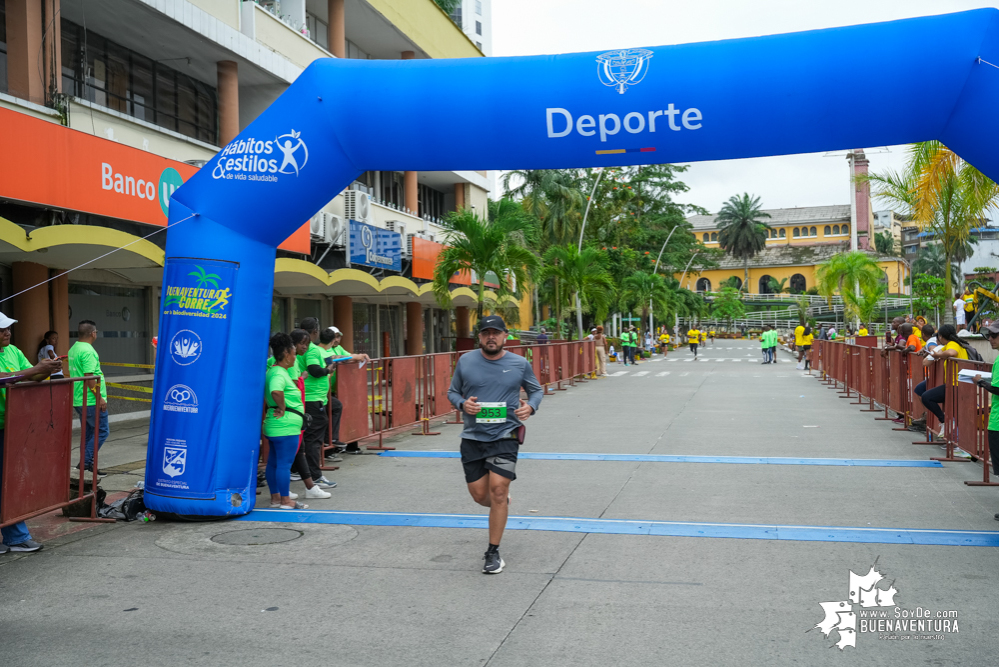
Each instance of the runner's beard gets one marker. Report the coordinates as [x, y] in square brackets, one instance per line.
[493, 348]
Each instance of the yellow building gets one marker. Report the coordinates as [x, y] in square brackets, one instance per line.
[800, 240]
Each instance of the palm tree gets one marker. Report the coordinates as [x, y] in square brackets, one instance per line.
[866, 305]
[884, 243]
[583, 273]
[931, 260]
[642, 289]
[553, 196]
[849, 273]
[741, 231]
[497, 245]
[779, 287]
[942, 193]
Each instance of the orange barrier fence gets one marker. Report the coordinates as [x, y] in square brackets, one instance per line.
[889, 379]
[398, 393]
[37, 450]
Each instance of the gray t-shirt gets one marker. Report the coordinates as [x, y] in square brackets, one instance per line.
[489, 381]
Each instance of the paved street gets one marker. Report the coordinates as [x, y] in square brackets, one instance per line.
[353, 589]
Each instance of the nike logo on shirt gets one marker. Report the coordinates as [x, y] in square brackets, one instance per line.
[508, 370]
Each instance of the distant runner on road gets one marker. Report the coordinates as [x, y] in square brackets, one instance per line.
[693, 338]
[485, 388]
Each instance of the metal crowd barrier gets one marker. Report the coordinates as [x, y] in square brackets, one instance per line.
[37, 450]
[393, 394]
[889, 379]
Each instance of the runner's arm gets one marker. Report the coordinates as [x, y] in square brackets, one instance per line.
[532, 387]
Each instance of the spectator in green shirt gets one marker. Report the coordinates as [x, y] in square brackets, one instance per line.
[317, 389]
[336, 407]
[300, 342]
[13, 362]
[85, 362]
[282, 422]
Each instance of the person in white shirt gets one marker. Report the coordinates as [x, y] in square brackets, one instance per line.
[959, 312]
[46, 350]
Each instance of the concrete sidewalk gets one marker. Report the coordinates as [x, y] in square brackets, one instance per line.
[281, 593]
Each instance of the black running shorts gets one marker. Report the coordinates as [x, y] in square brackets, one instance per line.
[693, 347]
[478, 458]
[806, 348]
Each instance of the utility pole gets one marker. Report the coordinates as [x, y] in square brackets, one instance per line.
[579, 303]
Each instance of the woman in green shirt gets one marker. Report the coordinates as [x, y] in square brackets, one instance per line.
[282, 425]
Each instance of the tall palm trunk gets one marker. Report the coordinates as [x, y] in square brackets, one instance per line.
[482, 297]
[745, 282]
[948, 289]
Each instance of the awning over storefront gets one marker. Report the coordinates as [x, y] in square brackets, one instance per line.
[297, 277]
[69, 246]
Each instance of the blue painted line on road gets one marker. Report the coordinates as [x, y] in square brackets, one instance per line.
[668, 458]
[960, 538]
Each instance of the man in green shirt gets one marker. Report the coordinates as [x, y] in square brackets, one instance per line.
[13, 362]
[83, 362]
[317, 389]
[991, 332]
[335, 336]
[629, 341]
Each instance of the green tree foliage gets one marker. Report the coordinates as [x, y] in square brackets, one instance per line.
[943, 194]
[779, 287]
[728, 305]
[732, 281]
[497, 245]
[642, 289]
[884, 243]
[741, 230]
[931, 260]
[930, 295]
[583, 272]
[847, 274]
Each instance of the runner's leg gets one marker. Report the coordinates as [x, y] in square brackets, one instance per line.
[499, 508]
[479, 489]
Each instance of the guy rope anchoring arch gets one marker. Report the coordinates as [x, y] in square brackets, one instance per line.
[635, 106]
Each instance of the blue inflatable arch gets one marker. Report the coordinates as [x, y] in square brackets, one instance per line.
[782, 94]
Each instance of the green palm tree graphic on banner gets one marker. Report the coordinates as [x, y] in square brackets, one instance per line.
[203, 280]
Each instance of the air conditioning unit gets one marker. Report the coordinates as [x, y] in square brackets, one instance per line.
[409, 244]
[325, 228]
[357, 206]
[400, 228]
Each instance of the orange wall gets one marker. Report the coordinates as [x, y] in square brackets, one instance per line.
[52, 165]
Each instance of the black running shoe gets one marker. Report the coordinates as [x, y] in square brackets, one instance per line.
[494, 564]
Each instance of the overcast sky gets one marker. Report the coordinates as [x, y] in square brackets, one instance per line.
[532, 27]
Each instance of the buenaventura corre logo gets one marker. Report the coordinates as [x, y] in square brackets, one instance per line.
[871, 609]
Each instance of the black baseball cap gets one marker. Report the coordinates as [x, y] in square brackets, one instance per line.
[492, 322]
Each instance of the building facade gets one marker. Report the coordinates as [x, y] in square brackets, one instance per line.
[799, 241]
[110, 106]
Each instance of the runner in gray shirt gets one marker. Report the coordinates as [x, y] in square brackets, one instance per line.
[486, 389]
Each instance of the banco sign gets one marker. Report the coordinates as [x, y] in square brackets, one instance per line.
[132, 186]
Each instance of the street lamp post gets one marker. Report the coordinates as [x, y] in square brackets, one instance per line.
[656, 270]
[586, 213]
[676, 320]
